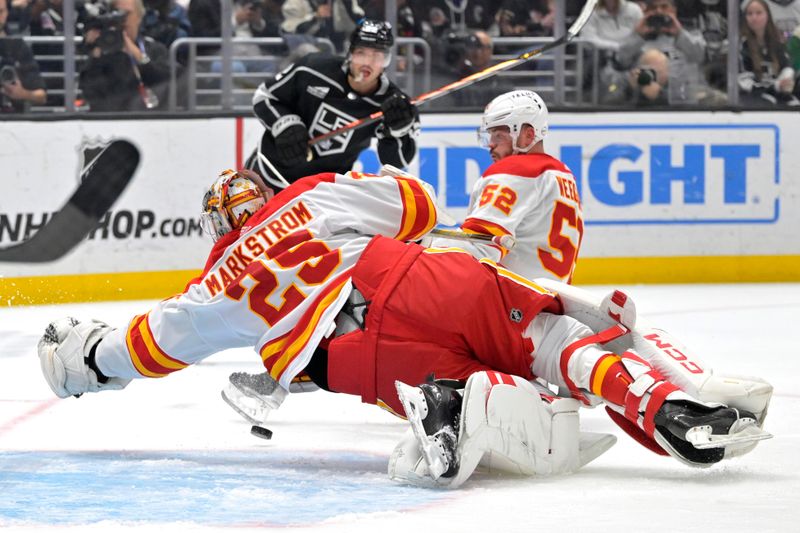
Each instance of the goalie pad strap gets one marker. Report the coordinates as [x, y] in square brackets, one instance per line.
[657, 398]
[497, 378]
[607, 335]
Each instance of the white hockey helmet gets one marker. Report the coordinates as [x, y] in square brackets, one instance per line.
[231, 201]
[514, 109]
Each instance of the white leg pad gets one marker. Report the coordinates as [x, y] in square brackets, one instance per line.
[507, 428]
[61, 356]
[663, 351]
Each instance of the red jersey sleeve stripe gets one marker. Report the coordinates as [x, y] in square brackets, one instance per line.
[419, 212]
[477, 225]
[148, 358]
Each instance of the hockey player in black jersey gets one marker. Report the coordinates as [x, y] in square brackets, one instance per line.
[320, 93]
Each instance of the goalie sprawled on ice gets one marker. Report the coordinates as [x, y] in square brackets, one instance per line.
[322, 281]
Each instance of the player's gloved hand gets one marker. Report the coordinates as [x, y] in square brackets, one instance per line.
[291, 141]
[399, 114]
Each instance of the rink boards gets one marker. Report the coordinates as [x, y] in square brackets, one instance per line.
[680, 197]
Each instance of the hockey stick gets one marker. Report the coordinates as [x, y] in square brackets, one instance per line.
[573, 30]
[506, 241]
[103, 181]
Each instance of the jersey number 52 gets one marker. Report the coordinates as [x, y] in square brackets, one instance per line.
[558, 241]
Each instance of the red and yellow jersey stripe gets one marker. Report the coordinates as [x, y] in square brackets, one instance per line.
[279, 353]
[147, 356]
[525, 282]
[484, 227]
[419, 211]
[478, 225]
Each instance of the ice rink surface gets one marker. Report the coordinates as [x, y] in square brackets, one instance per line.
[169, 455]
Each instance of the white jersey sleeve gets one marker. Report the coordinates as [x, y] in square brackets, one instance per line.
[276, 285]
[533, 198]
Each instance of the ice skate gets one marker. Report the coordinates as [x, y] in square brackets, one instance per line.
[434, 410]
[700, 435]
[253, 396]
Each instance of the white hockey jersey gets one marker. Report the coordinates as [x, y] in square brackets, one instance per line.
[533, 198]
[276, 284]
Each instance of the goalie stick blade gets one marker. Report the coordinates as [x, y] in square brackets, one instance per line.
[413, 404]
[102, 184]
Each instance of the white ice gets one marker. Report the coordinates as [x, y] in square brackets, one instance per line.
[168, 454]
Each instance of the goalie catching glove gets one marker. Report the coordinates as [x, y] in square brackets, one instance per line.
[66, 355]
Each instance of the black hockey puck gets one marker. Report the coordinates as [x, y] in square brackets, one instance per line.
[260, 432]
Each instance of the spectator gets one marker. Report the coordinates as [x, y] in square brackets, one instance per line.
[648, 81]
[21, 83]
[609, 24]
[524, 18]
[408, 22]
[165, 21]
[19, 16]
[794, 50]
[249, 21]
[47, 21]
[435, 25]
[474, 54]
[125, 71]
[709, 18]
[329, 19]
[785, 15]
[660, 29]
[458, 15]
[765, 73]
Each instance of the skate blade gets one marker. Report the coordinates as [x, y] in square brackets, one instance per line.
[254, 415]
[743, 431]
[413, 400]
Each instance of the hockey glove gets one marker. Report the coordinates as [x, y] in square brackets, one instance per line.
[291, 141]
[399, 114]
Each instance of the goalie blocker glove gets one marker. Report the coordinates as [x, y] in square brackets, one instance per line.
[399, 115]
[291, 141]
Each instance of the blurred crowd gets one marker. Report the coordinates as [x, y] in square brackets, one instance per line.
[649, 52]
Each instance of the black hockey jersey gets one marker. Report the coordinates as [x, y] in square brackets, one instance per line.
[316, 89]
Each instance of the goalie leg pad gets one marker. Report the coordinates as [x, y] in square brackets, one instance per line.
[532, 434]
[64, 351]
[506, 426]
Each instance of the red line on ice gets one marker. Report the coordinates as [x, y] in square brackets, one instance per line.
[30, 413]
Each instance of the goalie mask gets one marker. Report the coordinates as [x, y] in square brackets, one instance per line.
[515, 109]
[232, 200]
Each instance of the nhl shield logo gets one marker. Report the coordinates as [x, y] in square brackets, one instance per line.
[88, 151]
[515, 315]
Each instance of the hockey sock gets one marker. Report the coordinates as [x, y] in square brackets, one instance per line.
[610, 380]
